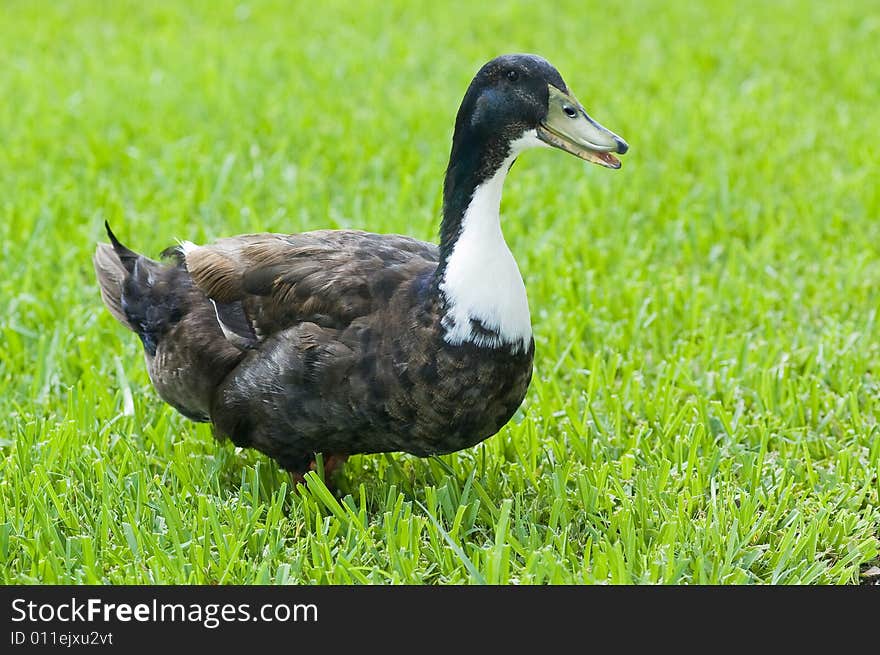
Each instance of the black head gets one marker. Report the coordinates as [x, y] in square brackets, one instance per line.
[509, 96]
[519, 95]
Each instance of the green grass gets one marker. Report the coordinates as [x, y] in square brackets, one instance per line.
[705, 400]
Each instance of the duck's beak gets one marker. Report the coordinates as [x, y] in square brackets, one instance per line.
[569, 128]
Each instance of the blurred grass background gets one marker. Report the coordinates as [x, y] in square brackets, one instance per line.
[705, 395]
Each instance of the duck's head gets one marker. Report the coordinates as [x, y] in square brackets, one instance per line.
[519, 101]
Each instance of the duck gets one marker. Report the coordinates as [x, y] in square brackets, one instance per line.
[344, 342]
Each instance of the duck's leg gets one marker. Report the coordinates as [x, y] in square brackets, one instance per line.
[332, 464]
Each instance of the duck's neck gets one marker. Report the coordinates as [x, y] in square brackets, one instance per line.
[482, 292]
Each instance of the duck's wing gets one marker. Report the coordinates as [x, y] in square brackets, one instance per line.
[263, 283]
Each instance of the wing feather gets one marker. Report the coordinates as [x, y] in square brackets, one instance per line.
[327, 277]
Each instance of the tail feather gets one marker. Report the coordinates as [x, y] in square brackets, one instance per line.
[128, 258]
[128, 284]
[111, 276]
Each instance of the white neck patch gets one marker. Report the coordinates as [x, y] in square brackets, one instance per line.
[485, 295]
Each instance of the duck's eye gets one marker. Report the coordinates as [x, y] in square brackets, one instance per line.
[569, 111]
[513, 75]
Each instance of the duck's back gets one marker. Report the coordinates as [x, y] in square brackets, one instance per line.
[328, 277]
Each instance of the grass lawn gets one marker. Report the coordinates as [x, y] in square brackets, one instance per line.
[706, 396]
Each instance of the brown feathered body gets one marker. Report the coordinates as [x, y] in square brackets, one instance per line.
[326, 341]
